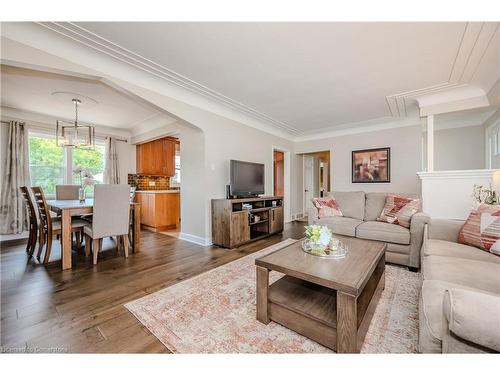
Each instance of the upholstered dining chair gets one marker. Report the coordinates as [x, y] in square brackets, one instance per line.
[48, 227]
[67, 192]
[32, 220]
[111, 215]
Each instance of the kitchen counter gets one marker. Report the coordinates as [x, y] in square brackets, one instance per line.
[172, 191]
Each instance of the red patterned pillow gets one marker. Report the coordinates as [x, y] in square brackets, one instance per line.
[399, 210]
[327, 207]
[482, 229]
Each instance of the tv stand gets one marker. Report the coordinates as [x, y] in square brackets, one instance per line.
[242, 220]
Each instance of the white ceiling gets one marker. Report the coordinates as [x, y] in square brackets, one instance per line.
[316, 76]
[33, 91]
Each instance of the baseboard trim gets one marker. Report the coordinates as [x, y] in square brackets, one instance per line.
[195, 239]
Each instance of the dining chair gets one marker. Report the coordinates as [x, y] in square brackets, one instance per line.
[111, 216]
[49, 227]
[32, 220]
[67, 192]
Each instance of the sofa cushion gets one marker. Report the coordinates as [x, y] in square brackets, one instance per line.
[327, 207]
[379, 231]
[456, 250]
[476, 274]
[399, 210]
[351, 203]
[431, 314]
[482, 229]
[340, 225]
[375, 203]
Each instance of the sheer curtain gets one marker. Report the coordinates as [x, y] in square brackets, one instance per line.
[111, 166]
[16, 174]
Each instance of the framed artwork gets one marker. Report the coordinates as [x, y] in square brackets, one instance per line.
[372, 165]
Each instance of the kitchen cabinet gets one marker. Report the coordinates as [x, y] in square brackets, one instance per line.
[159, 210]
[157, 157]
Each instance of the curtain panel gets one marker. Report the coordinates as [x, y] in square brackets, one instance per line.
[17, 173]
[111, 165]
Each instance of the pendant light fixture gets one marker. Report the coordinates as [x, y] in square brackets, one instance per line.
[74, 134]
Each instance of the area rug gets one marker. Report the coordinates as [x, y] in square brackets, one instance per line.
[215, 313]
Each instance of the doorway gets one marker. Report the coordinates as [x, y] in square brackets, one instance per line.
[281, 179]
[279, 173]
[316, 169]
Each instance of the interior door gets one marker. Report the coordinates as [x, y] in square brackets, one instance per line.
[279, 173]
[308, 181]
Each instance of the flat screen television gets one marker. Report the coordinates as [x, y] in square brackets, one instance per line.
[247, 179]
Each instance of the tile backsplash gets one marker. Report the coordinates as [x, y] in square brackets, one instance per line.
[142, 182]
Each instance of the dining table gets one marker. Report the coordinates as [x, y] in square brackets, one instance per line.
[68, 208]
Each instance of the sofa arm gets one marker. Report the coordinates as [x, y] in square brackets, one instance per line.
[472, 321]
[312, 215]
[417, 225]
[446, 230]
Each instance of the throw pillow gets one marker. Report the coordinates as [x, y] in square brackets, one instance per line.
[399, 210]
[482, 229]
[327, 207]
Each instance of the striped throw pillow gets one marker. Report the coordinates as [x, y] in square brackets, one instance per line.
[482, 229]
[399, 210]
[327, 207]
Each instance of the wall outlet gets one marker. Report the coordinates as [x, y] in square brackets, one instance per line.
[152, 183]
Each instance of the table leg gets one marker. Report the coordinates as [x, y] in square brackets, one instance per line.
[347, 321]
[137, 229]
[66, 239]
[262, 294]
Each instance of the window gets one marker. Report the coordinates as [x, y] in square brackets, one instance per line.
[47, 163]
[176, 180]
[91, 160]
[52, 165]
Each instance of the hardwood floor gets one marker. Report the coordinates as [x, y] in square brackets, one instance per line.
[44, 309]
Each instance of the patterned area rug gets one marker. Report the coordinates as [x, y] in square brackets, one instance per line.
[215, 313]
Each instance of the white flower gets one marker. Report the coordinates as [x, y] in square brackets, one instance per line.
[325, 236]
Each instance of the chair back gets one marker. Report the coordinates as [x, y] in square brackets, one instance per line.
[111, 210]
[43, 208]
[32, 211]
[67, 192]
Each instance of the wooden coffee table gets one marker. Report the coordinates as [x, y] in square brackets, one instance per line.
[330, 301]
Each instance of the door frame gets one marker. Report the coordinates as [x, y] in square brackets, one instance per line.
[304, 210]
[287, 209]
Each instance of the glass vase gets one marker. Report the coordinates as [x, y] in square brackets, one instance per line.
[81, 195]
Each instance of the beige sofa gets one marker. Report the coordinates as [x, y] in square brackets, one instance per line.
[459, 307]
[361, 211]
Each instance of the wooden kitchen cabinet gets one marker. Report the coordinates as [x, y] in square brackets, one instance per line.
[159, 211]
[157, 157]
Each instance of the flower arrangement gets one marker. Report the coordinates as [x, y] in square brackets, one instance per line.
[86, 177]
[480, 194]
[319, 233]
[320, 241]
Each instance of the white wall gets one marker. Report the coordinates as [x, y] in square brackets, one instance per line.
[406, 154]
[460, 148]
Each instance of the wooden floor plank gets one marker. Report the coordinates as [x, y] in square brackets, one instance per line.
[81, 310]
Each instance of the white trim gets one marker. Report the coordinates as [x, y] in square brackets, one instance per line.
[430, 143]
[383, 123]
[195, 239]
[287, 201]
[445, 175]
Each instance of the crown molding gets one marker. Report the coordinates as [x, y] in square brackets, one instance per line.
[100, 44]
[210, 100]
